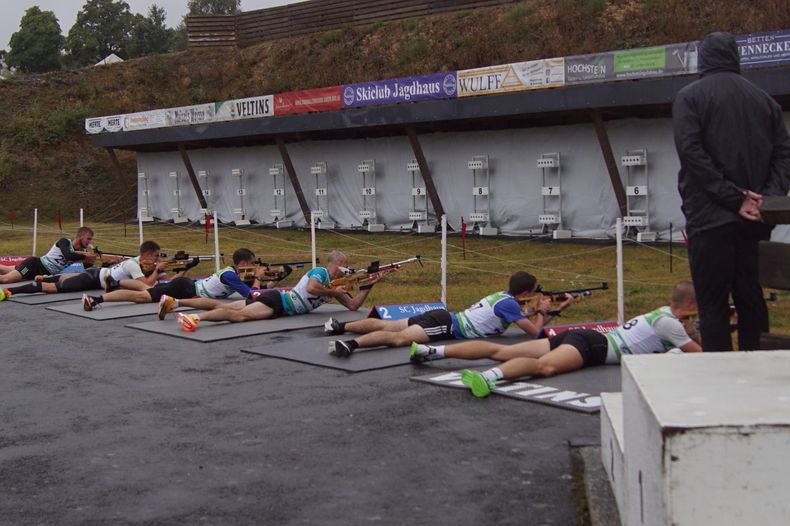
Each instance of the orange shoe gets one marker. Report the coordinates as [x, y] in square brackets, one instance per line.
[188, 322]
[166, 304]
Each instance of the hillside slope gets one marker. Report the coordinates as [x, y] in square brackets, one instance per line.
[46, 160]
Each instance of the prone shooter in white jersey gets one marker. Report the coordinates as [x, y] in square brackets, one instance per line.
[312, 291]
[657, 331]
[219, 285]
[490, 316]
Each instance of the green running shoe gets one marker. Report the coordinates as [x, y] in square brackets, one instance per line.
[480, 386]
[415, 356]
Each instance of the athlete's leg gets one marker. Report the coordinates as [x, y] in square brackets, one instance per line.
[5, 269]
[253, 311]
[479, 349]
[12, 276]
[562, 359]
[412, 333]
[132, 284]
[368, 325]
[209, 304]
[137, 296]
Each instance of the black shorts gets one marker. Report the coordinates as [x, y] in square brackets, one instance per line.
[269, 297]
[32, 267]
[592, 345]
[438, 324]
[88, 280]
[180, 288]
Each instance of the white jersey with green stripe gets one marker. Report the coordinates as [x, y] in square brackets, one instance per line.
[212, 286]
[298, 300]
[655, 332]
[490, 316]
[55, 260]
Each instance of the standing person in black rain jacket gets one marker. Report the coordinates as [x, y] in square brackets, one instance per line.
[734, 149]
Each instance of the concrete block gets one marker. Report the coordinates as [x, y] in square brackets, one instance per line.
[612, 450]
[708, 438]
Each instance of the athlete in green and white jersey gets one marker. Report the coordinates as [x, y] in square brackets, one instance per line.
[655, 332]
[488, 317]
[309, 293]
[59, 256]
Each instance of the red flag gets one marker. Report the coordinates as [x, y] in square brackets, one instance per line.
[685, 237]
[59, 221]
[208, 226]
[12, 217]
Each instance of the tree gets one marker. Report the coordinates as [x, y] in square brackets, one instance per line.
[149, 34]
[102, 27]
[36, 46]
[214, 7]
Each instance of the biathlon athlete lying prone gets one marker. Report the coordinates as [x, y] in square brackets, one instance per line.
[490, 316]
[129, 271]
[219, 285]
[308, 294]
[61, 255]
[657, 331]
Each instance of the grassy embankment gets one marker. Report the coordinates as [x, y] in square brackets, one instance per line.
[487, 266]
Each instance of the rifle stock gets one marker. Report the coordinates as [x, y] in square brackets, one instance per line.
[270, 271]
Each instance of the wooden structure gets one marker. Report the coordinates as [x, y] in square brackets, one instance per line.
[775, 262]
[314, 16]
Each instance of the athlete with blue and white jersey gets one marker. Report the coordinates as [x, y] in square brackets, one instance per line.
[658, 331]
[308, 294]
[490, 316]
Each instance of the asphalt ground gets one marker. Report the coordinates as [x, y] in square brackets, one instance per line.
[103, 424]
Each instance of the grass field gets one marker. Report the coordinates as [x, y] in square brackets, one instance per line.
[485, 269]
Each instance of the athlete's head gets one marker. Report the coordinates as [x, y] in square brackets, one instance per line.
[83, 237]
[522, 283]
[684, 299]
[243, 257]
[335, 263]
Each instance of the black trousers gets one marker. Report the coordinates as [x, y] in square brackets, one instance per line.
[723, 263]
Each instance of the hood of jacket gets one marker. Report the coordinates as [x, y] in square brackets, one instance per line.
[719, 53]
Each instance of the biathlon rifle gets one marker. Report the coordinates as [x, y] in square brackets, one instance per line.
[106, 258]
[559, 295]
[364, 277]
[270, 271]
[179, 262]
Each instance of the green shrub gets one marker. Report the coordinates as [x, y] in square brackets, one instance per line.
[412, 51]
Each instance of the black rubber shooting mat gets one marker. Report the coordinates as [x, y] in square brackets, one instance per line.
[109, 311]
[578, 391]
[209, 331]
[39, 298]
[315, 352]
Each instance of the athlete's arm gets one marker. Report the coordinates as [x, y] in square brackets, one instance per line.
[231, 279]
[315, 288]
[691, 346]
[69, 255]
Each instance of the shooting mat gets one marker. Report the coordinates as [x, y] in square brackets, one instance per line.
[316, 353]
[210, 331]
[577, 391]
[109, 311]
[39, 298]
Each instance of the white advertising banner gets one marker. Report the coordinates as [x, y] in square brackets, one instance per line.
[113, 123]
[249, 108]
[189, 115]
[518, 76]
[145, 120]
[94, 125]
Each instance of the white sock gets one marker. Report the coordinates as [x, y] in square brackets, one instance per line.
[430, 350]
[493, 374]
[175, 304]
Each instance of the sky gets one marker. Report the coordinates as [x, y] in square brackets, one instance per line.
[66, 12]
